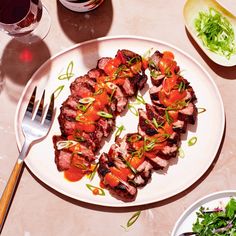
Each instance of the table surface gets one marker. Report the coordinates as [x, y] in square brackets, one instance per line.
[38, 210]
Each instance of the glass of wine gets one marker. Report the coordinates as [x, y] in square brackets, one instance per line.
[26, 20]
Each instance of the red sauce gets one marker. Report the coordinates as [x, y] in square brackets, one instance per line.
[73, 174]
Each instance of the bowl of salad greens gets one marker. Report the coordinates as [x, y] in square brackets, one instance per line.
[213, 27]
[214, 214]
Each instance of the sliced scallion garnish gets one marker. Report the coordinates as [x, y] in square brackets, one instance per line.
[98, 92]
[104, 114]
[112, 86]
[134, 138]
[65, 144]
[140, 99]
[91, 176]
[192, 141]
[181, 153]
[216, 32]
[86, 100]
[201, 110]
[95, 190]
[155, 123]
[133, 219]
[69, 72]
[119, 130]
[58, 91]
[132, 109]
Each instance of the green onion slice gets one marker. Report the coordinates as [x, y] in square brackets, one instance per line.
[192, 141]
[119, 130]
[69, 72]
[65, 144]
[181, 86]
[149, 144]
[58, 91]
[104, 114]
[134, 138]
[133, 109]
[83, 107]
[80, 166]
[168, 117]
[156, 124]
[112, 86]
[86, 100]
[201, 110]
[91, 176]
[133, 219]
[140, 99]
[98, 92]
[92, 188]
[181, 153]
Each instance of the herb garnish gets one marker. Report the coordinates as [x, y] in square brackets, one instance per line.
[132, 220]
[58, 91]
[69, 72]
[220, 221]
[200, 110]
[95, 190]
[104, 114]
[119, 130]
[192, 141]
[216, 32]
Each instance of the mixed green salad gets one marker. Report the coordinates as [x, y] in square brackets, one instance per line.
[216, 32]
[219, 221]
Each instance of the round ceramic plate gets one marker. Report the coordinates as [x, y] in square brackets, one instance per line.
[214, 200]
[77, 61]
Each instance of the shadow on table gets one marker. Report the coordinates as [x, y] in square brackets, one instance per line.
[225, 72]
[84, 26]
[18, 63]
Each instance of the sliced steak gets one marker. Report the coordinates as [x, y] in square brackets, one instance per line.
[82, 86]
[62, 157]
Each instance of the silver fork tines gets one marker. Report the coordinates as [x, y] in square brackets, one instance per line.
[35, 126]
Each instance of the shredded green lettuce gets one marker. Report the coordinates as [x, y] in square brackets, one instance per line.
[216, 222]
[216, 32]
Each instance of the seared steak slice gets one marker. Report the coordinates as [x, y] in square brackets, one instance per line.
[154, 94]
[145, 125]
[117, 186]
[189, 113]
[95, 73]
[82, 86]
[153, 115]
[62, 157]
[157, 162]
[102, 62]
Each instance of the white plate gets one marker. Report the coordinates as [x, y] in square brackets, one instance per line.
[186, 220]
[191, 11]
[209, 128]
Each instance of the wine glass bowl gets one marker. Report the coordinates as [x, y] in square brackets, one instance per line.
[21, 18]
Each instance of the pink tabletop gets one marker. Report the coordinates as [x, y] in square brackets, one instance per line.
[38, 210]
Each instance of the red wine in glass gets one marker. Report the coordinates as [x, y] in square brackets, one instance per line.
[21, 17]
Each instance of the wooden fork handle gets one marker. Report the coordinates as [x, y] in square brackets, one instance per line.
[9, 191]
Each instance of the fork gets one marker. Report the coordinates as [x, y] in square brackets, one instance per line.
[35, 126]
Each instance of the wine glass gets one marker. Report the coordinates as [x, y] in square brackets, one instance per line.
[26, 20]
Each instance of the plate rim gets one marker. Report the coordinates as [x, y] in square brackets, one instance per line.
[123, 37]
